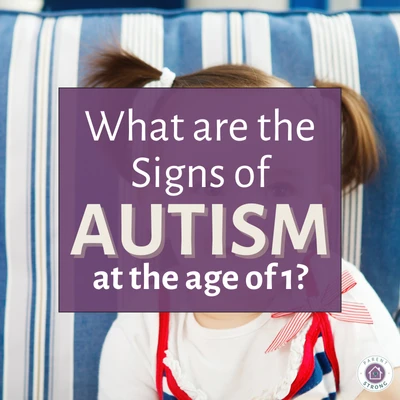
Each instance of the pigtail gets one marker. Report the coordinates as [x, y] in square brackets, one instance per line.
[117, 68]
[360, 160]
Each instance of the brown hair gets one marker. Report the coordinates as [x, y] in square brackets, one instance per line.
[118, 68]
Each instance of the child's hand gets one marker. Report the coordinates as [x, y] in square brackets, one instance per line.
[391, 393]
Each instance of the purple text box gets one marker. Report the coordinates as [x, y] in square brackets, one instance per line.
[199, 200]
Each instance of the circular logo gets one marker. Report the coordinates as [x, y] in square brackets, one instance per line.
[375, 373]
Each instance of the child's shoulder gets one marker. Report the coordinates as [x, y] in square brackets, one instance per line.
[356, 341]
[363, 293]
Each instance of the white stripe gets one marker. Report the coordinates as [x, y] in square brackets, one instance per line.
[22, 5]
[42, 103]
[65, 74]
[356, 197]
[343, 5]
[268, 5]
[395, 18]
[258, 41]
[353, 212]
[319, 345]
[325, 387]
[143, 35]
[329, 381]
[214, 39]
[336, 59]
[346, 227]
[166, 388]
[320, 391]
[236, 33]
[17, 207]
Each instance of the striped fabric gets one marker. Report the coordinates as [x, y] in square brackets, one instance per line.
[267, 5]
[47, 355]
[21, 5]
[285, 5]
[167, 394]
[322, 379]
[351, 312]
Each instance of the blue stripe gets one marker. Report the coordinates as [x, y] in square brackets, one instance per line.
[313, 5]
[380, 84]
[310, 4]
[7, 23]
[243, 41]
[296, 65]
[79, 4]
[187, 32]
[49, 319]
[167, 396]
[90, 331]
[229, 39]
[332, 396]
[380, 3]
[96, 32]
[323, 361]
[315, 379]
[33, 221]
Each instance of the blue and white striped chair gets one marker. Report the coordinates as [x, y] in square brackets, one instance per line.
[47, 355]
[267, 5]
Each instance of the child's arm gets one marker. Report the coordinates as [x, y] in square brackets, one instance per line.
[125, 367]
[355, 342]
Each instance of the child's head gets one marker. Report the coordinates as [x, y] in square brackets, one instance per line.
[117, 68]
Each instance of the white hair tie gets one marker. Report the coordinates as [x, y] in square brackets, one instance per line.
[166, 79]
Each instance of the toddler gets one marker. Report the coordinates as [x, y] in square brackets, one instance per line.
[222, 356]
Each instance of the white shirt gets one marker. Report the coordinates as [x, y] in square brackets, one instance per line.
[231, 363]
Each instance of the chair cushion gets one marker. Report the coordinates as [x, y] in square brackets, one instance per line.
[48, 355]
